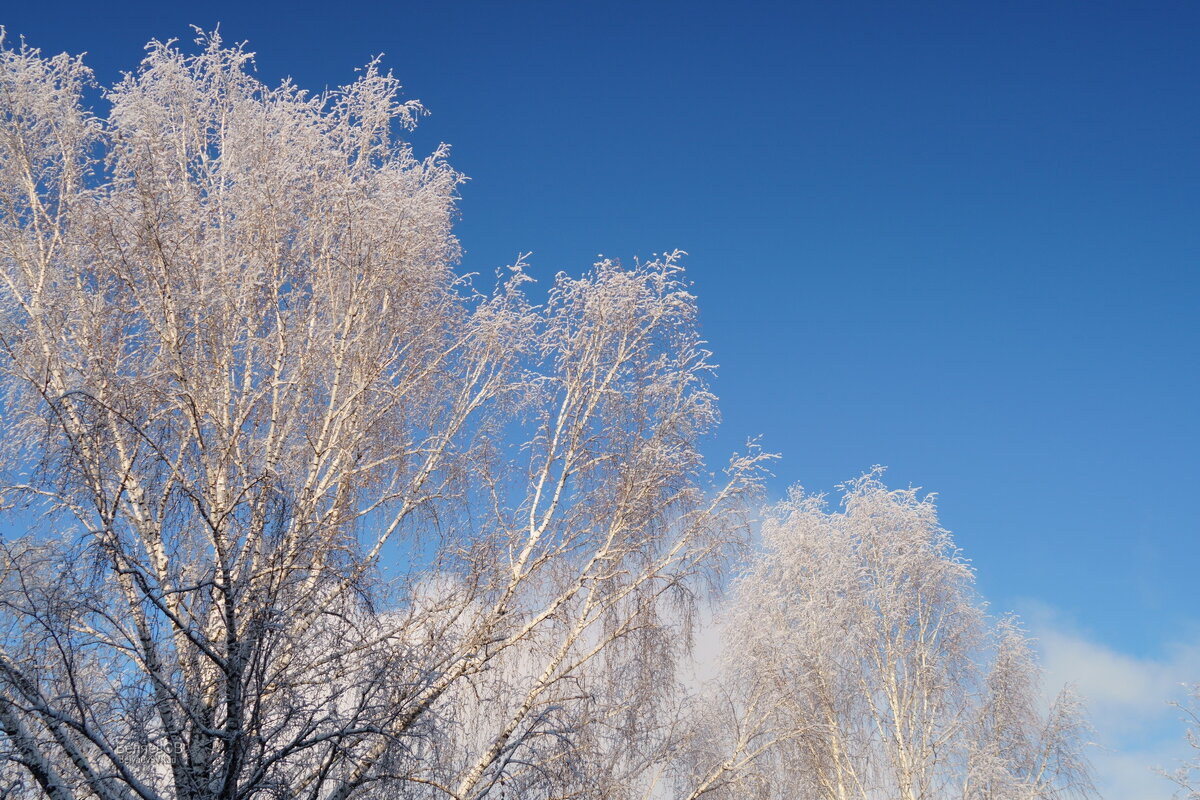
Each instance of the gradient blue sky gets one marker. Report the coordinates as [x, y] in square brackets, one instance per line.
[958, 239]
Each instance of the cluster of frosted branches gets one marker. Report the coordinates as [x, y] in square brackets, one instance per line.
[244, 384]
[1187, 775]
[860, 664]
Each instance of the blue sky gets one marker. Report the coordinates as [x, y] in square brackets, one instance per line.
[958, 239]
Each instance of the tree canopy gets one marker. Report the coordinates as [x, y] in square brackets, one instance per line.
[312, 514]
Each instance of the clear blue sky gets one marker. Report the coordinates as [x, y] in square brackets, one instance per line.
[959, 239]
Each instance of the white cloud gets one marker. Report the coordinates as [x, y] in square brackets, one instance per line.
[704, 663]
[1128, 699]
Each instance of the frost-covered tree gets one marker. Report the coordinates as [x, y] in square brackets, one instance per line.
[868, 669]
[1187, 774]
[309, 515]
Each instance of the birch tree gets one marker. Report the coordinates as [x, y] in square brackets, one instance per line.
[873, 670]
[310, 515]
